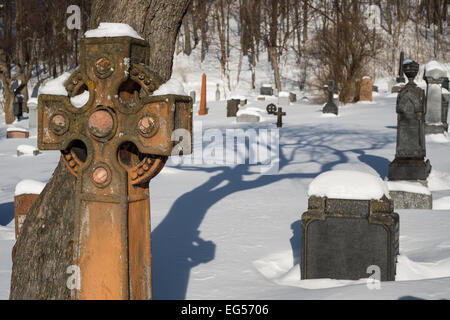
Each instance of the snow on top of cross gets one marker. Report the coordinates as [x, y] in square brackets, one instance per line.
[173, 86]
[347, 184]
[56, 86]
[29, 186]
[111, 30]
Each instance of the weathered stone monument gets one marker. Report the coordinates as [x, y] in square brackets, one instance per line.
[217, 92]
[349, 229]
[283, 98]
[330, 106]
[409, 164]
[280, 115]
[266, 90]
[232, 107]
[445, 102]
[400, 80]
[32, 113]
[365, 90]
[17, 133]
[202, 108]
[114, 145]
[292, 97]
[192, 95]
[434, 76]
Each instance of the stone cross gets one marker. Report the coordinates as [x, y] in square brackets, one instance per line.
[114, 144]
[280, 115]
[409, 162]
[330, 107]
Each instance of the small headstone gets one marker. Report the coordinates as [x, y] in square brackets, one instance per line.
[217, 93]
[283, 98]
[266, 90]
[24, 149]
[409, 163]
[247, 118]
[397, 87]
[261, 98]
[26, 193]
[346, 233]
[17, 133]
[232, 107]
[365, 91]
[292, 97]
[18, 106]
[192, 95]
[410, 194]
[434, 76]
[375, 88]
[32, 113]
[330, 106]
[445, 102]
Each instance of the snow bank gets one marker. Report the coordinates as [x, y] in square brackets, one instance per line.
[347, 184]
[408, 186]
[438, 180]
[56, 86]
[111, 30]
[173, 86]
[80, 100]
[441, 204]
[254, 111]
[437, 138]
[29, 186]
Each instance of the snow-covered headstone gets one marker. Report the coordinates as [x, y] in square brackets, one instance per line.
[26, 193]
[283, 98]
[266, 90]
[32, 113]
[349, 227]
[331, 106]
[434, 76]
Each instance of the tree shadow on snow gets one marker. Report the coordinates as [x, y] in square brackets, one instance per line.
[176, 244]
[6, 213]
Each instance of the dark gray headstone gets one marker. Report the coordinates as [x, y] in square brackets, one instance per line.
[292, 97]
[409, 162]
[374, 88]
[342, 238]
[266, 91]
[331, 106]
[232, 107]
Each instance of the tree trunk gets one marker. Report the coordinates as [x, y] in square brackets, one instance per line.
[8, 105]
[43, 251]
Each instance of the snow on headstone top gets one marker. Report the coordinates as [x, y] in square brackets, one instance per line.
[173, 86]
[29, 186]
[347, 184]
[9, 129]
[366, 77]
[408, 186]
[56, 86]
[111, 30]
[267, 85]
[434, 69]
[283, 94]
[408, 60]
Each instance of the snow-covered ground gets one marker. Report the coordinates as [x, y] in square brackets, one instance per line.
[228, 232]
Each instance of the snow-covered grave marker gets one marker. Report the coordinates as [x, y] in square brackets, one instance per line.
[350, 228]
[25, 149]
[266, 90]
[17, 133]
[32, 113]
[330, 106]
[445, 102]
[434, 75]
[409, 164]
[114, 144]
[283, 98]
[26, 193]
